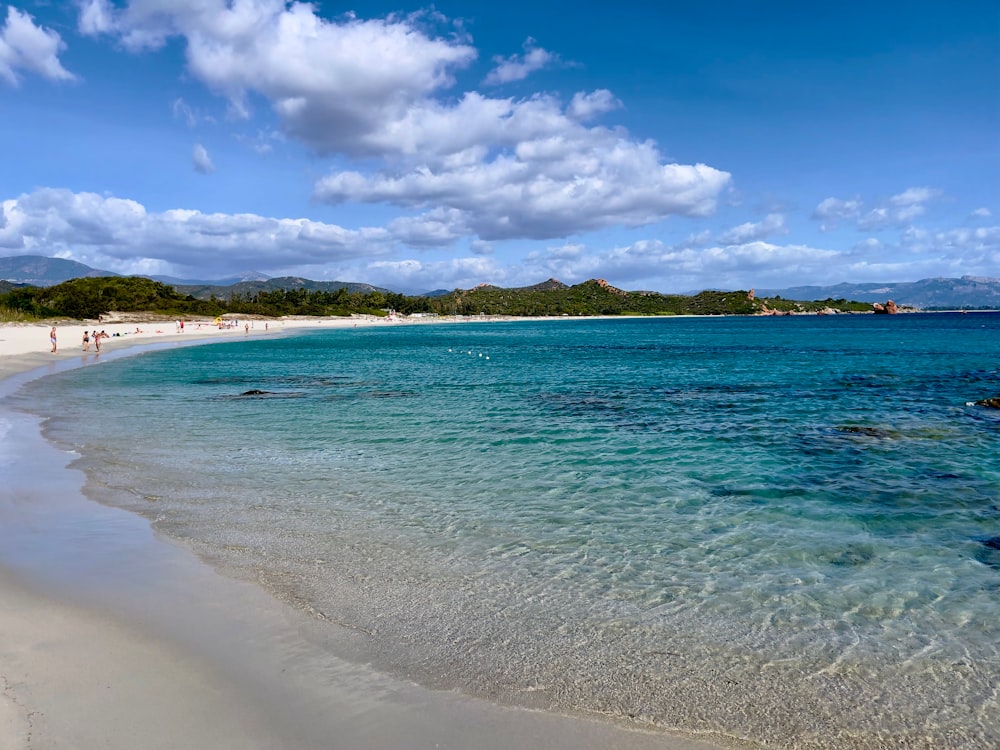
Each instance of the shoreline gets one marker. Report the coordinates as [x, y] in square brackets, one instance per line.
[115, 636]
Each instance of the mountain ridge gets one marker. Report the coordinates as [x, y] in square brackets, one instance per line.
[965, 292]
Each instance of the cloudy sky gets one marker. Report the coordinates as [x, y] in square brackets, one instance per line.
[670, 146]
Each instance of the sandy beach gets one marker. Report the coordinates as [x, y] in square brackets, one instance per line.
[114, 637]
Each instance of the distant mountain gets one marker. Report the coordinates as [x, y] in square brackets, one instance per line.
[204, 291]
[248, 276]
[38, 270]
[969, 292]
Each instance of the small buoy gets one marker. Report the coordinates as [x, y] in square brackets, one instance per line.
[480, 354]
[487, 357]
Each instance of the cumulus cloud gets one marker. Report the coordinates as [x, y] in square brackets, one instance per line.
[899, 210]
[914, 196]
[120, 233]
[455, 273]
[436, 228]
[773, 224]
[202, 161]
[970, 250]
[658, 265]
[586, 105]
[519, 67]
[687, 266]
[556, 179]
[331, 83]
[377, 91]
[27, 47]
[832, 211]
[896, 212]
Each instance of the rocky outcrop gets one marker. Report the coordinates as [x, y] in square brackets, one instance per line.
[607, 287]
[992, 403]
[889, 308]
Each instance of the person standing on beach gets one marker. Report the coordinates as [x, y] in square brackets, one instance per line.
[97, 341]
[86, 341]
[52, 338]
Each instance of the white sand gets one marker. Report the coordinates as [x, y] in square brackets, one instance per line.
[111, 637]
[26, 346]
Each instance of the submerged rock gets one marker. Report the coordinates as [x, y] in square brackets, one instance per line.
[993, 403]
[989, 552]
[875, 432]
[255, 392]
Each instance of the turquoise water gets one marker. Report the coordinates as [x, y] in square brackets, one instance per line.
[772, 529]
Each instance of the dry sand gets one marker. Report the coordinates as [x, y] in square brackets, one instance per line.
[111, 637]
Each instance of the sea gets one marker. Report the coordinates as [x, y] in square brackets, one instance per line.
[778, 531]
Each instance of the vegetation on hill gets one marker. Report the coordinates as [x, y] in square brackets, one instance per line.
[85, 298]
[597, 297]
[91, 297]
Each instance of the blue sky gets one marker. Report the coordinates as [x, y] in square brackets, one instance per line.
[664, 146]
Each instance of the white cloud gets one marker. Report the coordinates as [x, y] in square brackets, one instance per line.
[455, 273]
[120, 233]
[25, 46]
[202, 161]
[656, 265]
[914, 196]
[558, 179]
[900, 210]
[331, 83]
[981, 213]
[832, 211]
[376, 90]
[896, 212]
[876, 219]
[519, 67]
[970, 251]
[586, 105]
[436, 228]
[653, 264]
[182, 111]
[773, 224]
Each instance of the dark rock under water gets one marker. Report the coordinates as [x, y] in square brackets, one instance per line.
[989, 552]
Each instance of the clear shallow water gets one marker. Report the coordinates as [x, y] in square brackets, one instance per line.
[765, 528]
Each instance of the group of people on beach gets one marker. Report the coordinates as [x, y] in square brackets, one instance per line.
[97, 336]
[88, 336]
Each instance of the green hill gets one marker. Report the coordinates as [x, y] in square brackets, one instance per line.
[90, 297]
